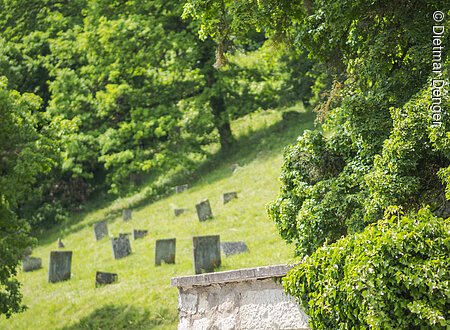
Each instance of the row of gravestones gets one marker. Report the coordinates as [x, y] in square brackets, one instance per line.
[206, 248]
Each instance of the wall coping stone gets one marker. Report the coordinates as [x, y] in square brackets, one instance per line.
[240, 275]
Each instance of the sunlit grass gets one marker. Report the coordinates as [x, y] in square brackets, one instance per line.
[143, 297]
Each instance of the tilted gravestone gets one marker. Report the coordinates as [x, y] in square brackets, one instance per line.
[230, 248]
[121, 247]
[229, 196]
[206, 253]
[204, 210]
[178, 212]
[31, 263]
[60, 266]
[126, 214]
[165, 251]
[137, 233]
[180, 189]
[102, 278]
[100, 230]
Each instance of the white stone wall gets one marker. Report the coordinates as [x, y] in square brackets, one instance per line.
[247, 304]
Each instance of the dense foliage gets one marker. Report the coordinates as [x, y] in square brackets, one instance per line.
[393, 275]
[25, 156]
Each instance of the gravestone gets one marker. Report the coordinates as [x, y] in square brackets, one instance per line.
[102, 278]
[230, 248]
[126, 214]
[137, 233]
[234, 167]
[124, 235]
[31, 263]
[178, 212]
[100, 230]
[204, 210]
[229, 196]
[165, 251]
[206, 253]
[60, 265]
[121, 247]
[27, 252]
[180, 189]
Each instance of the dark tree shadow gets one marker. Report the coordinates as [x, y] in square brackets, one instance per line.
[111, 317]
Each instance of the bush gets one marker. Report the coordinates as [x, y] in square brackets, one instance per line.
[393, 275]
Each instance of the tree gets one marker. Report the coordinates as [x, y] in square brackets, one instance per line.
[25, 155]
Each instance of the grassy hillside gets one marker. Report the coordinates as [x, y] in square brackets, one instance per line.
[143, 297]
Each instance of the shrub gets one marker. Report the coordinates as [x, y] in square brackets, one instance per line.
[393, 275]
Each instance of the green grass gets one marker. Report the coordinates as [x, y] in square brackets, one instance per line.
[143, 297]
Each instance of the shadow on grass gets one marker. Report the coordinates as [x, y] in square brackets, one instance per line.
[260, 144]
[123, 317]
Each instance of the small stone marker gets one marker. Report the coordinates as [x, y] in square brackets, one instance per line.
[206, 253]
[165, 251]
[178, 212]
[229, 196]
[60, 265]
[60, 244]
[137, 233]
[102, 278]
[180, 189]
[27, 252]
[230, 248]
[31, 263]
[100, 230]
[121, 247]
[234, 167]
[126, 214]
[124, 235]
[204, 210]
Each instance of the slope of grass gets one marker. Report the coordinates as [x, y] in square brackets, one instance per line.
[143, 297]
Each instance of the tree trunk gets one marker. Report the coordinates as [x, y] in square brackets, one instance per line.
[221, 121]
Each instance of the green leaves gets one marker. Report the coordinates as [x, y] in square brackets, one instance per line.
[393, 275]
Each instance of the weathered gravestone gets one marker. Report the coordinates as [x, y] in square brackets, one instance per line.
[102, 278]
[229, 196]
[27, 252]
[165, 251]
[137, 233]
[121, 247]
[124, 235]
[204, 210]
[100, 230]
[60, 265]
[31, 263]
[126, 214]
[178, 212]
[206, 253]
[180, 189]
[230, 248]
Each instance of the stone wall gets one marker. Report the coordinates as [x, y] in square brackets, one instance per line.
[242, 299]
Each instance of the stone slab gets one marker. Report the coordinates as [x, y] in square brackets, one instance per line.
[60, 266]
[127, 214]
[230, 248]
[245, 274]
[103, 278]
[165, 251]
[206, 253]
[181, 188]
[178, 212]
[204, 210]
[229, 196]
[31, 263]
[100, 230]
[139, 233]
[121, 247]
